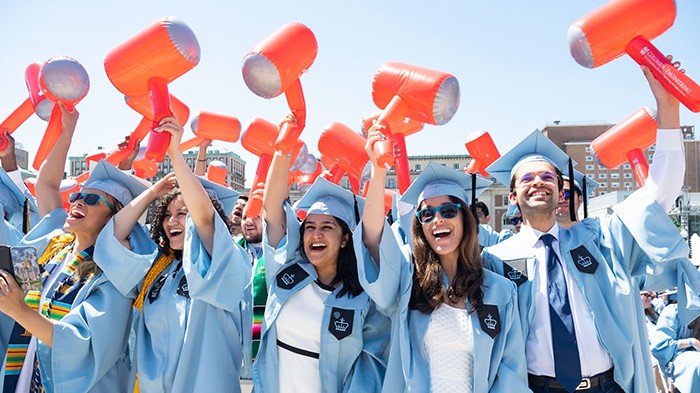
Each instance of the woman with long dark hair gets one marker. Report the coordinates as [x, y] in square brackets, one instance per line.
[321, 332]
[187, 282]
[455, 326]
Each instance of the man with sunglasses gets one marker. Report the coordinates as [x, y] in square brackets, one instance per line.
[581, 315]
[573, 190]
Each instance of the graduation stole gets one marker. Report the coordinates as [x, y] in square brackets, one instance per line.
[163, 261]
[56, 304]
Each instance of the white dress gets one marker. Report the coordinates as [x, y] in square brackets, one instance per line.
[449, 345]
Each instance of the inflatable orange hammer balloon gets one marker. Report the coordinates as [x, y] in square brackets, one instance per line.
[334, 172]
[64, 80]
[35, 103]
[626, 142]
[144, 168]
[483, 151]
[214, 126]
[626, 26]
[146, 63]
[217, 172]
[345, 147]
[400, 129]
[275, 66]
[259, 138]
[403, 90]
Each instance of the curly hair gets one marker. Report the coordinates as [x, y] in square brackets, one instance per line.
[428, 291]
[158, 233]
[346, 266]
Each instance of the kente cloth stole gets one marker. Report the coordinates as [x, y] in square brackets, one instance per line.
[56, 303]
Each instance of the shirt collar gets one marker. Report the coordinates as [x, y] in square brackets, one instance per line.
[531, 235]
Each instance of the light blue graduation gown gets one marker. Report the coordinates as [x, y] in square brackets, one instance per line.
[489, 237]
[638, 239]
[499, 362]
[355, 363]
[89, 342]
[682, 365]
[184, 343]
[9, 234]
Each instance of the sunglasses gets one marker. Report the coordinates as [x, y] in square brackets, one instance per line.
[428, 214]
[516, 220]
[567, 194]
[545, 177]
[90, 199]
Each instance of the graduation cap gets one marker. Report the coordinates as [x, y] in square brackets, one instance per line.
[535, 147]
[585, 185]
[324, 197]
[111, 180]
[512, 210]
[15, 201]
[436, 180]
[226, 196]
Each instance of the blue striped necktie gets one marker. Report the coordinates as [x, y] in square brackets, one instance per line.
[567, 364]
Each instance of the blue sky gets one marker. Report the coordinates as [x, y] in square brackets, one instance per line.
[510, 57]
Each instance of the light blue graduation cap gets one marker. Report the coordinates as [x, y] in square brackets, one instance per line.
[325, 197]
[13, 199]
[226, 196]
[111, 180]
[513, 209]
[535, 147]
[436, 180]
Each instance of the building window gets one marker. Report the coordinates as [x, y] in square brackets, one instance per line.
[455, 166]
[588, 149]
[615, 185]
[651, 148]
[615, 175]
[589, 167]
[418, 167]
[603, 185]
[628, 184]
[505, 200]
[602, 175]
[626, 166]
[628, 175]
[390, 183]
[603, 193]
[589, 158]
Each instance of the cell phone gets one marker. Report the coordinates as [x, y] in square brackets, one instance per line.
[23, 263]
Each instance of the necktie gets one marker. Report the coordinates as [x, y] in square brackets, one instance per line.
[567, 364]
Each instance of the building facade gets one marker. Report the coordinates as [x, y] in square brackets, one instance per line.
[235, 178]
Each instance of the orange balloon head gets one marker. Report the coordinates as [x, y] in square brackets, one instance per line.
[633, 134]
[344, 146]
[61, 79]
[278, 62]
[145, 168]
[627, 26]
[146, 63]
[217, 172]
[259, 136]
[214, 126]
[403, 90]
[480, 146]
[275, 66]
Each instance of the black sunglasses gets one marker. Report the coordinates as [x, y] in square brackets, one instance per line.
[428, 214]
[516, 220]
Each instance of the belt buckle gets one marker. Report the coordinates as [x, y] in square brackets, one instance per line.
[584, 385]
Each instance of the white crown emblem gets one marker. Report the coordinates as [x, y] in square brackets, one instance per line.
[288, 279]
[341, 325]
[490, 322]
[514, 275]
[584, 261]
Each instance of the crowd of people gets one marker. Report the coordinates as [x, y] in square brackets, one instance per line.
[340, 299]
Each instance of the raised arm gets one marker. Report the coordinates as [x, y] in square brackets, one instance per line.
[7, 155]
[127, 217]
[48, 181]
[275, 194]
[200, 165]
[373, 216]
[196, 198]
[667, 170]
